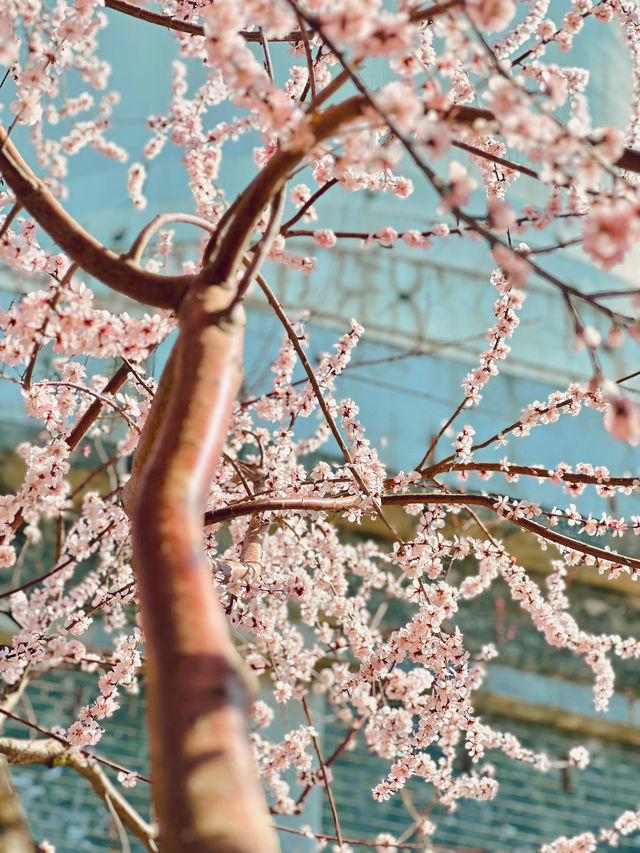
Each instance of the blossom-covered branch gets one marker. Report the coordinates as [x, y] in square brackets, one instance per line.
[201, 533]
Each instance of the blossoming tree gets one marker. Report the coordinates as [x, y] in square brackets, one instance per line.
[225, 534]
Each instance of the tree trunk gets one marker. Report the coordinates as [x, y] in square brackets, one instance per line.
[205, 784]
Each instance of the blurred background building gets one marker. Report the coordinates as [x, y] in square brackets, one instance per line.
[425, 315]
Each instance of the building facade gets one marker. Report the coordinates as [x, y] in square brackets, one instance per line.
[406, 363]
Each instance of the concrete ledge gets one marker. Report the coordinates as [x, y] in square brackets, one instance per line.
[533, 698]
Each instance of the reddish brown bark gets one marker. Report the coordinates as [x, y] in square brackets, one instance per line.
[205, 784]
[345, 502]
[118, 272]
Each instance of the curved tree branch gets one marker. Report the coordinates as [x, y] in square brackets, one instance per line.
[227, 248]
[205, 786]
[140, 243]
[184, 26]
[49, 752]
[118, 273]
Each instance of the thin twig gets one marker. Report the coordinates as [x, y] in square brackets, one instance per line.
[17, 207]
[261, 249]
[82, 427]
[101, 397]
[141, 241]
[509, 469]
[310, 201]
[355, 842]
[118, 767]
[307, 51]
[56, 569]
[323, 770]
[442, 431]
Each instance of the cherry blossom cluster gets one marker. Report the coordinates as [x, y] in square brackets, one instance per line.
[373, 628]
[505, 310]
[86, 730]
[66, 316]
[585, 842]
[422, 669]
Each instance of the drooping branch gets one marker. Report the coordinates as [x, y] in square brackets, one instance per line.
[52, 753]
[118, 273]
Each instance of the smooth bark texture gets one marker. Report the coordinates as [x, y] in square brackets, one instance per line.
[205, 784]
[150, 432]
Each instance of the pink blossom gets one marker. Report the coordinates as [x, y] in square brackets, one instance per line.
[400, 103]
[135, 183]
[609, 230]
[460, 188]
[516, 267]
[387, 236]
[127, 780]
[7, 555]
[491, 15]
[300, 194]
[622, 420]
[589, 337]
[501, 214]
[325, 238]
